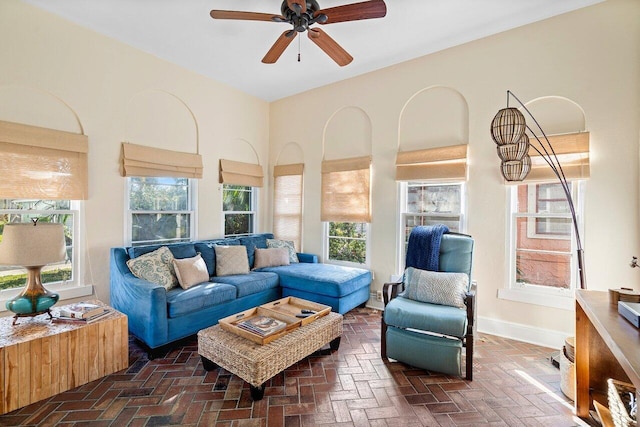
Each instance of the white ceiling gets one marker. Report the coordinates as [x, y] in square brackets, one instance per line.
[230, 51]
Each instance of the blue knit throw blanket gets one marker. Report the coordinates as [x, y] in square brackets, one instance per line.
[423, 251]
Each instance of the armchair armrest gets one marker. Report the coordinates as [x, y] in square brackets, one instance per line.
[470, 302]
[391, 290]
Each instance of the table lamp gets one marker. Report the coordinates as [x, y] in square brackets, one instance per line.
[32, 246]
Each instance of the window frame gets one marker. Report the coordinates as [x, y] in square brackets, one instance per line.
[562, 298]
[192, 203]
[403, 189]
[325, 245]
[253, 212]
[66, 289]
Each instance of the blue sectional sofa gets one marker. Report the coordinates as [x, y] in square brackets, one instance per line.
[158, 316]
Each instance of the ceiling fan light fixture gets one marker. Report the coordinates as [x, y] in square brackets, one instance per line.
[302, 14]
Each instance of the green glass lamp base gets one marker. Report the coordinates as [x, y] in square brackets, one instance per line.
[34, 299]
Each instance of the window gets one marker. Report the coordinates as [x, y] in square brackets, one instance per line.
[54, 211]
[239, 209]
[287, 203]
[542, 248]
[161, 210]
[346, 242]
[428, 204]
[548, 198]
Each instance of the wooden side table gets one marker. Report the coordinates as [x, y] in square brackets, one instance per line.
[39, 359]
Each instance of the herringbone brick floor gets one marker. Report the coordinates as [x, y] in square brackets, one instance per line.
[514, 385]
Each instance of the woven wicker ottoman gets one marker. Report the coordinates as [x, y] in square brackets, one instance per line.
[256, 363]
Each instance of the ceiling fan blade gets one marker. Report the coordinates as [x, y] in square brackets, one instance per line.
[353, 12]
[298, 6]
[249, 16]
[330, 47]
[279, 46]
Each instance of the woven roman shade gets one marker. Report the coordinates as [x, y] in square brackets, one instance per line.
[41, 163]
[441, 163]
[572, 150]
[240, 173]
[287, 203]
[140, 160]
[346, 190]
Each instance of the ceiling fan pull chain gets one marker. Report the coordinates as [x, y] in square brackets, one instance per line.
[299, 48]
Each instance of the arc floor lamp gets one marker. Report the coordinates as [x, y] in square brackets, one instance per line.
[508, 131]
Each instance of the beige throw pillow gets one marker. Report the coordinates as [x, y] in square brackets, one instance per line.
[231, 260]
[191, 271]
[155, 267]
[272, 257]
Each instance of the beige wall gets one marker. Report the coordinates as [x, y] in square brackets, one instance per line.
[591, 57]
[122, 94]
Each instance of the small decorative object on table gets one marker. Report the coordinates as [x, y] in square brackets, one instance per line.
[81, 310]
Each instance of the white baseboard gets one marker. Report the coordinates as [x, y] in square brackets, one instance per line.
[517, 331]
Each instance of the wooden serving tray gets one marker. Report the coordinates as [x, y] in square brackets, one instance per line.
[231, 323]
[292, 306]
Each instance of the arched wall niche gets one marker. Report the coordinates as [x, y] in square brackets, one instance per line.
[244, 151]
[433, 117]
[347, 134]
[290, 153]
[160, 119]
[33, 106]
[556, 115]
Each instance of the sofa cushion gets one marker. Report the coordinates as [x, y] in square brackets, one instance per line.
[247, 284]
[440, 319]
[187, 301]
[253, 242]
[271, 257]
[155, 267]
[324, 279]
[179, 250]
[274, 243]
[231, 260]
[190, 271]
[436, 287]
[206, 249]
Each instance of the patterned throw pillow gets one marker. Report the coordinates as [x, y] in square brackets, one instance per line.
[274, 243]
[436, 287]
[231, 260]
[271, 257]
[155, 267]
[191, 271]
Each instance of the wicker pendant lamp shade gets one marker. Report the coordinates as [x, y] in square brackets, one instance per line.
[508, 126]
[517, 151]
[516, 170]
[507, 131]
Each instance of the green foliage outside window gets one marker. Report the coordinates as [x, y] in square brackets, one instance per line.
[347, 242]
[238, 209]
[160, 209]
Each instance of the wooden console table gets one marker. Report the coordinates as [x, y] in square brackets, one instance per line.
[607, 346]
[39, 359]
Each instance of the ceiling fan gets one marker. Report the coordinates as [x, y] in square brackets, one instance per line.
[302, 14]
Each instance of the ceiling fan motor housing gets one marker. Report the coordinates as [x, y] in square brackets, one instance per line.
[302, 20]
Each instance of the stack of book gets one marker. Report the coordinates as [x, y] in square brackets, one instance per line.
[82, 312]
[262, 325]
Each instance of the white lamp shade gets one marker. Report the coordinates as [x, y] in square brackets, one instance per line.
[31, 245]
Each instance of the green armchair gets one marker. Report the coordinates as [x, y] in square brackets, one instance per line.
[431, 335]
